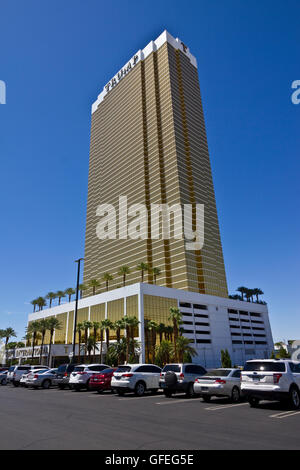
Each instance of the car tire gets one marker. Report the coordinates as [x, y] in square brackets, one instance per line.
[206, 398]
[168, 394]
[294, 398]
[253, 402]
[235, 395]
[16, 384]
[140, 389]
[190, 391]
[46, 384]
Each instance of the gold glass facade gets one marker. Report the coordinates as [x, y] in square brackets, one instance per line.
[158, 308]
[148, 142]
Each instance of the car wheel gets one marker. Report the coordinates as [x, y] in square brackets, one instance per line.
[46, 384]
[206, 398]
[190, 391]
[253, 402]
[168, 394]
[235, 395]
[61, 387]
[294, 398]
[16, 384]
[139, 389]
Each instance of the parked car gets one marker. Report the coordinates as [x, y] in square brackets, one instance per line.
[3, 377]
[136, 378]
[272, 380]
[15, 372]
[63, 375]
[24, 377]
[80, 377]
[42, 379]
[102, 381]
[180, 378]
[219, 383]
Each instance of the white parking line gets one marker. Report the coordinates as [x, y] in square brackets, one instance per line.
[184, 400]
[137, 398]
[285, 414]
[222, 407]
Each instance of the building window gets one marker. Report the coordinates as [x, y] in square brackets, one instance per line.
[200, 307]
[185, 305]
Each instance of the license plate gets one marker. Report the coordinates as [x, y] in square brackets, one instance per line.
[204, 389]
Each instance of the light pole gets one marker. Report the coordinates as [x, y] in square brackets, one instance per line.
[76, 307]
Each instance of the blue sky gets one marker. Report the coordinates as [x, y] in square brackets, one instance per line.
[56, 56]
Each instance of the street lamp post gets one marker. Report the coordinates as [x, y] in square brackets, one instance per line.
[76, 306]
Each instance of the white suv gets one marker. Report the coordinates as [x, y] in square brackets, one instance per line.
[271, 380]
[15, 372]
[80, 377]
[136, 378]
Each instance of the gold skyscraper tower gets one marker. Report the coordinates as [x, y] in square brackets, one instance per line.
[148, 142]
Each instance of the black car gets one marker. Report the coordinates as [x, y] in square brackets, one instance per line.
[63, 375]
[180, 378]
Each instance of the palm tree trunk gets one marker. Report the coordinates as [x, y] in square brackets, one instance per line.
[50, 346]
[42, 346]
[127, 343]
[101, 345]
[79, 342]
[33, 346]
[107, 340]
[175, 339]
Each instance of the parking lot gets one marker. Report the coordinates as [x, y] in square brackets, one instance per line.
[55, 419]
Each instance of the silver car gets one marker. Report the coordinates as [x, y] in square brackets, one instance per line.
[3, 377]
[42, 379]
[24, 377]
[219, 383]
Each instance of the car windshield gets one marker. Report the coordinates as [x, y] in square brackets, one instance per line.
[265, 366]
[11, 369]
[172, 367]
[217, 373]
[62, 369]
[123, 369]
[79, 369]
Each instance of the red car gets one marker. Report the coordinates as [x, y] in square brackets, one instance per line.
[101, 382]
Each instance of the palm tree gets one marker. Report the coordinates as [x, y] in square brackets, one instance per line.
[149, 328]
[7, 334]
[183, 347]
[94, 283]
[153, 330]
[51, 296]
[176, 317]
[90, 345]
[119, 325]
[95, 326]
[79, 328]
[53, 324]
[242, 290]
[249, 294]
[60, 294]
[164, 353]
[82, 287]
[69, 292]
[160, 330]
[34, 303]
[169, 333]
[43, 327]
[156, 272]
[41, 302]
[33, 329]
[257, 291]
[142, 267]
[102, 329]
[123, 271]
[86, 326]
[108, 325]
[107, 278]
[133, 324]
